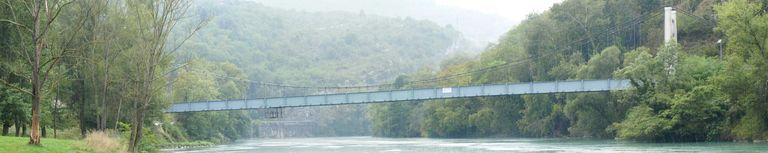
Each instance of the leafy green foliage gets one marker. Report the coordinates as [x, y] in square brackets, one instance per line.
[591, 113]
[301, 48]
[200, 80]
[14, 108]
[745, 77]
[396, 119]
[681, 92]
[275, 45]
[681, 106]
[643, 124]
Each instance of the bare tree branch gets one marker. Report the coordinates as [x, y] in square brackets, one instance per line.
[53, 18]
[197, 28]
[16, 23]
[7, 84]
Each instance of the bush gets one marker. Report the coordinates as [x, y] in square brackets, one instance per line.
[100, 141]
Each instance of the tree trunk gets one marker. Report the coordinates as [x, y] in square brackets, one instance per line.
[18, 128]
[6, 128]
[146, 98]
[34, 137]
[136, 130]
[117, 115]
[104, 114]
[55, 110]
[81, 98]
[138, 122]
[23, 129]
[43, 133]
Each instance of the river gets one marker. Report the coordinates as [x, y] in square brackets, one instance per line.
[421, 145]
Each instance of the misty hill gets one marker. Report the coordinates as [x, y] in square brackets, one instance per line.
[274, 45]
[479, 27]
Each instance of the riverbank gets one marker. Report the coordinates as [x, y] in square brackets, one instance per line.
[185, 145]
[19, 145]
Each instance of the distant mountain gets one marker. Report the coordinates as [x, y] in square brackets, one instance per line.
[476, 26]
[316, 48]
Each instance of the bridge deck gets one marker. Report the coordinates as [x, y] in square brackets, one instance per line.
[405, 95]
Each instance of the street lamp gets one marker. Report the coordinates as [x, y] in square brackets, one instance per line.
[720, 42]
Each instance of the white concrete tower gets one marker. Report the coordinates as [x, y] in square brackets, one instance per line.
[670, 24]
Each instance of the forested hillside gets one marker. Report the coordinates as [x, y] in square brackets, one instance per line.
[260, 45]
[683, 92]
[115, 65]
[292, 47]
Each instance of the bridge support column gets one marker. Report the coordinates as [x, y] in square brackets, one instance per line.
[670, 24]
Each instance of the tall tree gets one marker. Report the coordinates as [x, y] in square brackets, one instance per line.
[154, 21]
[745, 80]
[43, 14]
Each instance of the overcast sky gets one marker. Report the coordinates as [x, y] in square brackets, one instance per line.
[515, 10]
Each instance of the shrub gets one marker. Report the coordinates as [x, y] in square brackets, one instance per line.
[100, 141]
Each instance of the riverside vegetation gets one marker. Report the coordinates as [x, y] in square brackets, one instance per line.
[115, 65]
[683, 91]
[94, 65]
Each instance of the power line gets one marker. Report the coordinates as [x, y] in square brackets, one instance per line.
[699, 18]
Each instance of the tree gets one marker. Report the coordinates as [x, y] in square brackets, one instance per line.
[43, 14]
[155, 21]
[200, 80]
[591, 113]
[586, 16]
[679, 103]
[745, 78]
[14, 109]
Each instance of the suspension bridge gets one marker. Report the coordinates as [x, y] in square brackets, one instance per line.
[406, 95]
[324, 96]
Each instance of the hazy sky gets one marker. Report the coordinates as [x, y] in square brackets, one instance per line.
[515, 10]
[480, 21]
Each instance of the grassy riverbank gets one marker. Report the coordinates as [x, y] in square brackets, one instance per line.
[192, 144]
[19, 145]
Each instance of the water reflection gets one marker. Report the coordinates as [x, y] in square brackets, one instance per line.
[372, 144]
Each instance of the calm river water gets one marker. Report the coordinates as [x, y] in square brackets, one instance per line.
[421, 145]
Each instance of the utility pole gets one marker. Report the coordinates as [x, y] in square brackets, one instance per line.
[670, 24]
[720, 43]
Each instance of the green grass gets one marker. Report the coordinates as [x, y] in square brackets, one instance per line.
[19, 145]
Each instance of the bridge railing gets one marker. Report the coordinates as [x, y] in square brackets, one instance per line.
[405, 95]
